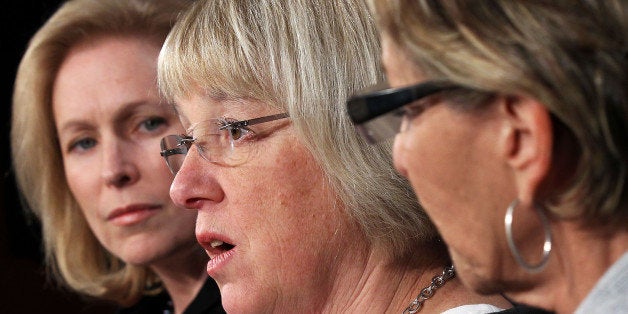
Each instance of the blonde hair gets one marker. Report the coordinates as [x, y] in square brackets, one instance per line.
[305, 57]
[571, 55]
[72, 253]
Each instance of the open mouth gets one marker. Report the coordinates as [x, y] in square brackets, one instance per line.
[220, 246]
[214, 244]
[219, 252]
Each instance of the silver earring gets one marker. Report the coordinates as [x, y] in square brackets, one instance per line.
[547, 245]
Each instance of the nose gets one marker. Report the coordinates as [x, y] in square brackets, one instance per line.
[196, 182]
[119, 167]
[398, 155]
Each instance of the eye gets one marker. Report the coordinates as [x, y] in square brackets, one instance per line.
[237, 132]
[235, 129]
[153, 123]
[82, 144]
[412, 110]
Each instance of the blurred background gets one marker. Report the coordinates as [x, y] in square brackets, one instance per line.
[24, 288]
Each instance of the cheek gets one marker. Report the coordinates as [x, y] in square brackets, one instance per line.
[290, 198]
[82, 182]
[432, 157]
[82, 176]
[290, 181]
[305, 226]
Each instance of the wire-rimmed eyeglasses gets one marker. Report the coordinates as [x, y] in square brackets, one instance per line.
[377, 115]
[217, 140]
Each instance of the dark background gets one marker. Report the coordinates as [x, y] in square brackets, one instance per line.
[24, 287]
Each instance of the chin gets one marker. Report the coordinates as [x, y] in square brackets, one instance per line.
[142, 255]
[482, 279]
[482, 285]
[232, 303]
[250, 298]
[137, 259]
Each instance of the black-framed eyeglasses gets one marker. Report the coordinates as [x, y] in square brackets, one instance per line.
[219, 140]
[376, 115]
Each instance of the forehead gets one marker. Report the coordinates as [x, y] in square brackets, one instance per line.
[105, 74]
[202, 106]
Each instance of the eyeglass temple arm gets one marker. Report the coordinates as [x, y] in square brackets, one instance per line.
[366, 107]
[256, 120]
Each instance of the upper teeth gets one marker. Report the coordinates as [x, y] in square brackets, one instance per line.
[216, 243]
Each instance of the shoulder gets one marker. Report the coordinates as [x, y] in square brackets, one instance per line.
[487, 308]
[609, 293]
[523, 309]
[472, 309]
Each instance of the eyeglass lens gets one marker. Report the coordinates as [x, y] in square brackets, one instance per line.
[377, 115]
[216, 140]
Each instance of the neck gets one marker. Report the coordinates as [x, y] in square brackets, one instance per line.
[578, 260]
[183, 275]
[381, 287]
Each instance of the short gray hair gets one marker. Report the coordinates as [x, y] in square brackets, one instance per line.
[305, 57]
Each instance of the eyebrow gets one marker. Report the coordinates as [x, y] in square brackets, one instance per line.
[128, 109]
[119, 116]
[74, 125]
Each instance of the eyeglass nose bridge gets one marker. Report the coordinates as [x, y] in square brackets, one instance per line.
[187, 143]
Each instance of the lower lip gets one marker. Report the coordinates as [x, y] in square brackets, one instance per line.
[134, 217]
[216, 263]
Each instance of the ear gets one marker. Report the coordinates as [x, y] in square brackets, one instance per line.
[528, 144]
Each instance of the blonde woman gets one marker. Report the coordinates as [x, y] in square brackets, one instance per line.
[87, 120]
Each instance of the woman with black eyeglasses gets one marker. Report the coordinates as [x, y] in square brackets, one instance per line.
[512, 122]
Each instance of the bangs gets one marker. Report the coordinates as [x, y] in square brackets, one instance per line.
[212, 52]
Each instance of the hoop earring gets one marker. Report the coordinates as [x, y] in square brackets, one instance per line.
[547, 245]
